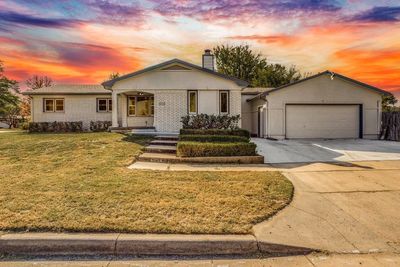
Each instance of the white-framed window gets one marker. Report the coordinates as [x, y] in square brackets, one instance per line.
[141, 106]
[192, 102]
[224, 102]
[104, 104]
[53, 105]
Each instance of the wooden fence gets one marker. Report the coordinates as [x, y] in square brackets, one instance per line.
[390, 127]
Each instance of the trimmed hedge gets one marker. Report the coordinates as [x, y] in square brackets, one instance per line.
[197, 149]
[205, 121]
[100, 126]
[214, 138]
[57, 126]
[236, 132]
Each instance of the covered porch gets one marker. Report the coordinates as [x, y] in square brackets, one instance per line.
[133, 109]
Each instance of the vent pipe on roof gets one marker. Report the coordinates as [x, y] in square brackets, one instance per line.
[208, 60]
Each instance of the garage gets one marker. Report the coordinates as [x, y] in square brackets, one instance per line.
[323, 106]
[322, 121]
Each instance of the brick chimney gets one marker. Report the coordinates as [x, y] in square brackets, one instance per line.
[208, 60]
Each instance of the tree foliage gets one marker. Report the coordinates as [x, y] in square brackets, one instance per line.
[242, 63]
[9, 100]
[113, 75]
[389, 102]
[36, 82]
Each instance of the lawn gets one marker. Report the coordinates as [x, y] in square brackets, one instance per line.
[79, 182]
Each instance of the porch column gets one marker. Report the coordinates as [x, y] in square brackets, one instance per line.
[115, 109]
[124, 112]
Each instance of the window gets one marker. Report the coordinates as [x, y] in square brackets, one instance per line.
[223, 102]
[53, 105]
[104, 105]
[141, 106]
[192, 102]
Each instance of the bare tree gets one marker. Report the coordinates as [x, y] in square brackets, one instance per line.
[36, 82]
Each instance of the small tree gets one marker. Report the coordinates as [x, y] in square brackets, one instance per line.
[389, 102]
[36, 82]
[11, 114]
[9, 100]
[25, 108]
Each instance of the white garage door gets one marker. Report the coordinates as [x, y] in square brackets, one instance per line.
[322, 121]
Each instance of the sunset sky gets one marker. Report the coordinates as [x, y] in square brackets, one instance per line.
[83, 41]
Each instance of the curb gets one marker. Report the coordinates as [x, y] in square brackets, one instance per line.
[54, 244]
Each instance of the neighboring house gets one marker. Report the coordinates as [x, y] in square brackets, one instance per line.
[325, 105]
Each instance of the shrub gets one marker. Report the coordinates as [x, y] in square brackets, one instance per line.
[214, 138]
[205, 121]
[236, 132]
[24, 125]
[197, 149]
[57, 126]
[100, 126]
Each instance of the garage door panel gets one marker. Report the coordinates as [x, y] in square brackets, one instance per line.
[322, 121]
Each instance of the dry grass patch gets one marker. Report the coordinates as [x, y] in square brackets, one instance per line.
[79, 182]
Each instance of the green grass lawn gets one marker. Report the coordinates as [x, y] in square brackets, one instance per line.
[80, 182]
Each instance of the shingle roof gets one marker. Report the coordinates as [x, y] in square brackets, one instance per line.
[69, 89]
[256, 90]
[110, 83]
[332, 74]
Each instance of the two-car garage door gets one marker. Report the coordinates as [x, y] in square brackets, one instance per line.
[322, 121]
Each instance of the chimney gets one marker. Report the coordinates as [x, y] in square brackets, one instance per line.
[208, 60]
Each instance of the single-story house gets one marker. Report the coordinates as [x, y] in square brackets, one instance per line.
[326, 105]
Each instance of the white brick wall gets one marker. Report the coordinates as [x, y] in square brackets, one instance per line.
[76, 108]
[236, 103]
[169, 107]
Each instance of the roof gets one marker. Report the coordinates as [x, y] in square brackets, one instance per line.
[110, 83]
[69, 89]
[255, 90]
[327, 72]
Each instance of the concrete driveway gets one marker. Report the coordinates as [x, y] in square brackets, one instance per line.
[348, 208]
[305, 151]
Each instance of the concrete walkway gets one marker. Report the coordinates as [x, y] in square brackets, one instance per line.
[313, 260]
[336, 208]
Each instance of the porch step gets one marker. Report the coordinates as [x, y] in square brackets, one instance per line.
[151, 131]
[160, 149]
[158, 157]
[171, 137]
[164, 142]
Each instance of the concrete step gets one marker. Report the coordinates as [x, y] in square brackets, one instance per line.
[160, 149]
[158, 157]
[164, 142]
[167, 137]
[172, 158]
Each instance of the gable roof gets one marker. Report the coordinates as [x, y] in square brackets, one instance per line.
[110, 83]
[69, 89]
[327, 72]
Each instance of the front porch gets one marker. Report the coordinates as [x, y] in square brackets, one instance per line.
[132, 110]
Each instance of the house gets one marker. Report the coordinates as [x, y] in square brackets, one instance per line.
[157, 96]
[326, 105]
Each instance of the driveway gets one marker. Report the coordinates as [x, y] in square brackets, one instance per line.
[348, 208]
[345, 150]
